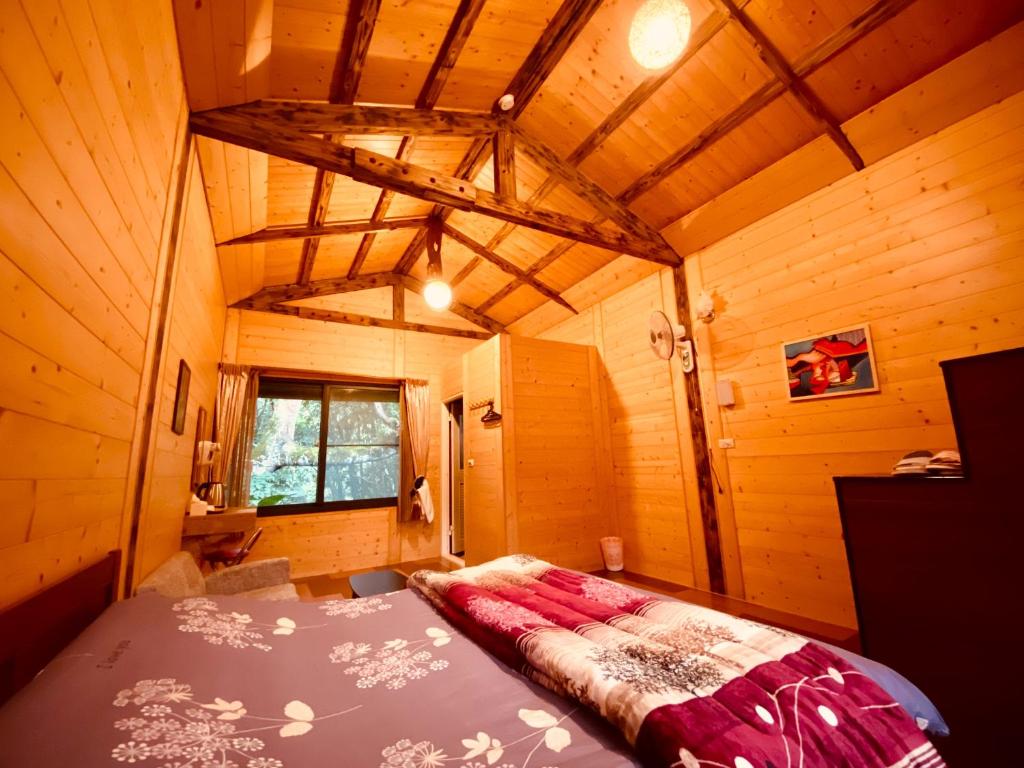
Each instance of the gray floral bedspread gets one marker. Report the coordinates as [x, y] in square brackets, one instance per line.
[223, 682]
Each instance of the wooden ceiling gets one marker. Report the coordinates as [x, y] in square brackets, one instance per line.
[596, 148]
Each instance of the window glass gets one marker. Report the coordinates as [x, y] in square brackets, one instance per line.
[320, 445]
[285, 450]
[362, 444]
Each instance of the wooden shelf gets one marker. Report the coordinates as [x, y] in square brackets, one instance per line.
[229, 521]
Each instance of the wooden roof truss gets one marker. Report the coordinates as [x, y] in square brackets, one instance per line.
[314, 133]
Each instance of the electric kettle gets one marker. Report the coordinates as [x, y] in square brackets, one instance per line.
[212, 494]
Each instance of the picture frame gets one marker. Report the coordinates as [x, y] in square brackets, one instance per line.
[831, 364]
[181, 398]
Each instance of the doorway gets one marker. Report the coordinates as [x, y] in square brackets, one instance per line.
[455, 490]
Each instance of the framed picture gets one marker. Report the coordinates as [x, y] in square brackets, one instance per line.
[181, 398]
[831, 364]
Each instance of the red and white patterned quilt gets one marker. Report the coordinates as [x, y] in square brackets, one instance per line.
[687, 686]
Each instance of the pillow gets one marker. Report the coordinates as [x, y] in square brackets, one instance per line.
[910, 697]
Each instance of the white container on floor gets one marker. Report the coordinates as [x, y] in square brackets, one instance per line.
[611, 551]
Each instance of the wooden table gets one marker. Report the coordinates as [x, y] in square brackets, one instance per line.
[231, 520]
[200, 530]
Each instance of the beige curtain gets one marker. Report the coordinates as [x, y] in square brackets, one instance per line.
[235, 416]
[417, 502]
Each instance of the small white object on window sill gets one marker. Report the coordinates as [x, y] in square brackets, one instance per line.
[197, 507]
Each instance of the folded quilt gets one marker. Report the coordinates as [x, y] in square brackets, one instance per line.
[687, 686]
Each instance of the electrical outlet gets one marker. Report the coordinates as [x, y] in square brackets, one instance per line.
[726, 442]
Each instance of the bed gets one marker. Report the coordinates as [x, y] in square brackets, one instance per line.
[225, 682]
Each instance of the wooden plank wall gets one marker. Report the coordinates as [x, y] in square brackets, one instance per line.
[195, 335]
[789, 534]
[486, 524]
[969, 83]
[558, 478]
[339, 541]
[656, 510]
[226, 52]
[926, 247]
[91, 114]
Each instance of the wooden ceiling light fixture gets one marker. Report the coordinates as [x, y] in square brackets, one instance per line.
[436, 292]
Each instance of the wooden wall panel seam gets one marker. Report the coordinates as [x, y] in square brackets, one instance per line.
[160, 339]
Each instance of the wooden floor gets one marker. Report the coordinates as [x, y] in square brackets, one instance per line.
[335, 585]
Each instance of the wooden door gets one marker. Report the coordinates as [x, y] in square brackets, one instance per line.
[484, 473]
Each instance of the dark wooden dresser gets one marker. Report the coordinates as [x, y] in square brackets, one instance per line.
[937, 566]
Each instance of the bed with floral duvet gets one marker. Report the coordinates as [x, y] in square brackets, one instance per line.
[515, 664]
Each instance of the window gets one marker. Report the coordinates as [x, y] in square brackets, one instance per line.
[321, 446]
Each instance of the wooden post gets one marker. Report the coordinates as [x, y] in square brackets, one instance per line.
[398, 303]
[701, 454]
[160, 318]
[505, 165]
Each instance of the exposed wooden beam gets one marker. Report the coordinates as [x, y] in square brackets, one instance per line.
[807, 98]
[398, 302]
[563, 29]
[870, 19]
[712, 133]
[454, 40]
[323, 185]
[565, 26]
[701, 453]
[465, 272]
[361, 253]
[588, 191]
[388, 173]
[348, 68]
[488, 304]
[314, 117]
[380, 210]
[349, 318]
[413, 250]
[457, 308]
[274, 294]
[711, 26]
[301, 231]
[571, 228]
[535, 269]
[507, 267]
[504, 153]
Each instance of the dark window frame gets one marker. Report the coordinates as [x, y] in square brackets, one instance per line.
[300, 388]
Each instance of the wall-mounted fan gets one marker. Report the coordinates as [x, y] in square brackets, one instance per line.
[666, 338]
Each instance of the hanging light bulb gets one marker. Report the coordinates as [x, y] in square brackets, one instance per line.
[659, 33]
[437, 293]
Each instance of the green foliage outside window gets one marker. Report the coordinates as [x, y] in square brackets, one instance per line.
[286, 448]
[361, 458]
